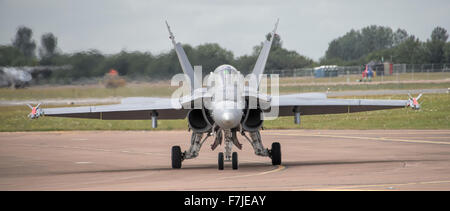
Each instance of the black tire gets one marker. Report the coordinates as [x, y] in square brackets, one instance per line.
[234, 161]
[276, 153]
[220, 161]
[176, 157]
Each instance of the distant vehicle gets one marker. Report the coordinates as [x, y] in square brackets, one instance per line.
[19, 77]
[113, 80]
[326, 71]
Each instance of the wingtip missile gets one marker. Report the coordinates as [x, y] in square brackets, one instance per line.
[414, 102]
[35, 111]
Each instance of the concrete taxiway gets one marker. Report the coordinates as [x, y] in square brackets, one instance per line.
[312, 160]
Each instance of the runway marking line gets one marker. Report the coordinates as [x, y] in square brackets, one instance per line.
[279, 168]
[83, 162]
[431, 137]
[364, 138]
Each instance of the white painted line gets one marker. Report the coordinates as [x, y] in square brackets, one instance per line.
[364, 138]
[80, 139]
[279, 168]
[83, 162]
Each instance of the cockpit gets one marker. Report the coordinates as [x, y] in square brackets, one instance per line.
[226, 83]
[227, 74]
[225, 69]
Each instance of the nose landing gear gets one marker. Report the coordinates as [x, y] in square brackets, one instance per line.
[221, 164]
[229, 156]
[234, 161]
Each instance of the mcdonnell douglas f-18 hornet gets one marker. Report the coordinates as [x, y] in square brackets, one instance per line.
[227, 106]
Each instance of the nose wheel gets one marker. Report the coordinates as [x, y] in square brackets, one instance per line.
[234, 161]
[220, 160]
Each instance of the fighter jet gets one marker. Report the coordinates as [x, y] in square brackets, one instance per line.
[223, 109]
[19, 77]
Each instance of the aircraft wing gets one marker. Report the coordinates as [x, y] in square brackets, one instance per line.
[312, 105]
[129, 109]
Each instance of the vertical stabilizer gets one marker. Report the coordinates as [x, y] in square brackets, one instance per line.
[258, 70]
[184, 61]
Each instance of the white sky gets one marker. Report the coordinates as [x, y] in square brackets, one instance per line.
[305, 26]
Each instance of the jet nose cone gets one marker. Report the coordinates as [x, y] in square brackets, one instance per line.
[228, 119]
[227, 114]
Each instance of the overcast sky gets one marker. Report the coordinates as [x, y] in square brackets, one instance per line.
[305, 26]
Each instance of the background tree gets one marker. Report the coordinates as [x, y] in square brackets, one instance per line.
[399, 37]
[48, 45]
[210, 56]
[10, 56]
[48, 48]
[435, 46]
[279, 58]
[23, 41]
[355, 45]
[447, 52]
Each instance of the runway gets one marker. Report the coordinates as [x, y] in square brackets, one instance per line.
[311, 160]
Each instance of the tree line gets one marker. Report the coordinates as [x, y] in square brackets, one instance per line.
[375, 43]
[354, 48]
[135, 64]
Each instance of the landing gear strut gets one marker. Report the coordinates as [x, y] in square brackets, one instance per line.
[228, 156]
[196, 143]
[256, 142]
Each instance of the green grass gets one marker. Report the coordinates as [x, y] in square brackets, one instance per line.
[164, 89]
[353, 78]
[88, 91]
[435, 114]
[362, 86]
[14, 118]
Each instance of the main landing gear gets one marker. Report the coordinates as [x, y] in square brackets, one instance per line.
[228, 156]
[275, 153]
[177, 157]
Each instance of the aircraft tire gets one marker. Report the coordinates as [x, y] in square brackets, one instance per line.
[176, 157]
[234, 161]
[220, 160]
[276, 153]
